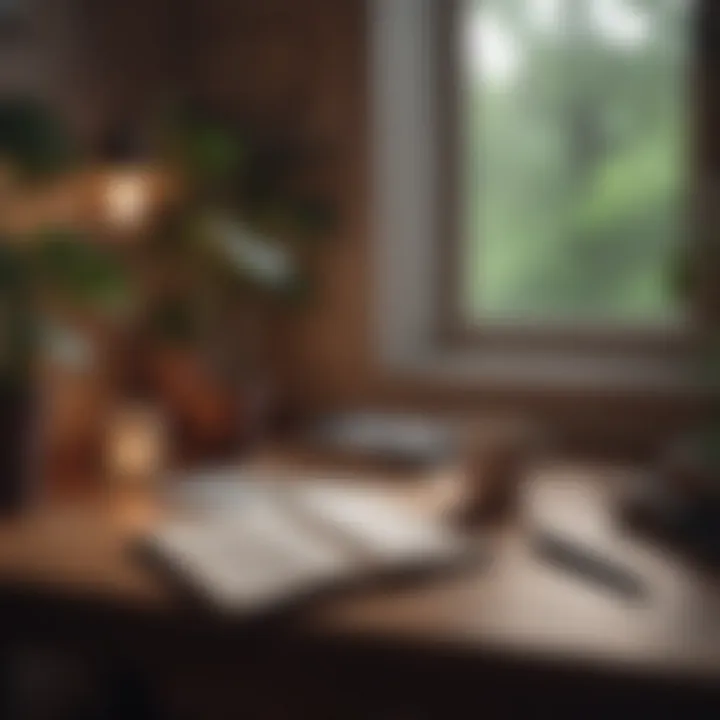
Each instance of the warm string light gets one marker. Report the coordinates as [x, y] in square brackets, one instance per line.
[127, 198]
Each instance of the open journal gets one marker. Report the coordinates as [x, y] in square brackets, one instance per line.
[246, 547]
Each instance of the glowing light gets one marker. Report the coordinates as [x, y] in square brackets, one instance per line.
[127, 198]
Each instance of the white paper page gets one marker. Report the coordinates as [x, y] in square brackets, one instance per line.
[252, 560]
[379, 525]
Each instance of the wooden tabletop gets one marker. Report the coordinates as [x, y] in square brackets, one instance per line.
[515, 603]
[522, 605]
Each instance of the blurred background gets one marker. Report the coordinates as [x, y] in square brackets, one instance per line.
[195, 167]
[481, 231]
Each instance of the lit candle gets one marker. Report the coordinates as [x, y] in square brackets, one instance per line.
[136, 451]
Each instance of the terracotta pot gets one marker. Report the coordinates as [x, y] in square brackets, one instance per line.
[199, 407]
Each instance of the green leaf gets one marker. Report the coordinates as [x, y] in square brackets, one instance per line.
[291, 219]
[250, 256]
[33, 140]
[209, 152]
[82, 272]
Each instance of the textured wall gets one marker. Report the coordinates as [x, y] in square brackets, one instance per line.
[301, 65]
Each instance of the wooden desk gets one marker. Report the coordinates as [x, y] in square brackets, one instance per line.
[68, 567]
[522, 605]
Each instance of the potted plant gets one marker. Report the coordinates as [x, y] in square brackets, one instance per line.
[50, 274]
[226, 260]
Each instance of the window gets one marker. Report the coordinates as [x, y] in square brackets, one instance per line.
[534, 162]
[573, 154]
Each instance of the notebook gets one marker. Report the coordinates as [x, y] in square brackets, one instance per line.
[271, 543]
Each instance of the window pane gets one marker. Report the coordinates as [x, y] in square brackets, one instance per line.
[575, 124]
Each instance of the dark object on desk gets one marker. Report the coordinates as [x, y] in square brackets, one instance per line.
[678, 502]
[402, 440]
[690, 522]
[496, 456]
[589, 564]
